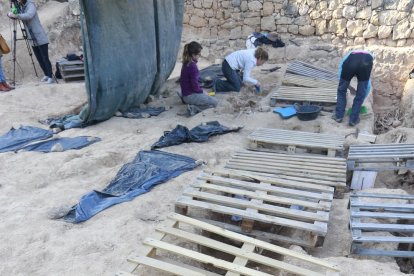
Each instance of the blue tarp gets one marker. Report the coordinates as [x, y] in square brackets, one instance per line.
[15, 139]
[200, 133]
[149, 168]
[62, 144]
[136, 113]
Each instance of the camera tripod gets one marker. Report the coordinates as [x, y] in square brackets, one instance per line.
[15, 39]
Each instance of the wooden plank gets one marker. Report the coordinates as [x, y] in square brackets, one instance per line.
[386, 253]
[257, 217]
[246, 239]
[264, 187]
[242, 261]
[203, 258]
[313, 158]
[386, 215]
[383, 227]
[235, 251]
[389, 196]
[288, 181]
[295, 134]
[383, 205]
[377, 239]
[164, 266]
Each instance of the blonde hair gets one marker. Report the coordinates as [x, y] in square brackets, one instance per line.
[190, 49]
[261, 54]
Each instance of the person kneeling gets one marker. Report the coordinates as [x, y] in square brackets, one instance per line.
[191, 91]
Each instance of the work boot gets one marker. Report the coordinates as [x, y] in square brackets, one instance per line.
[3, 88]
[354, 123]
[44, 79]
[50, 81]
[7, 85]
[338, 120]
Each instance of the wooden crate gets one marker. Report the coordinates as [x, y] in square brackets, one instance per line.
[298, 80]
[268, 201]
[244, 260]
[381, 157]
[290, 141]
[362, 210]
[72, 70]
[304, 94]
[330, 171]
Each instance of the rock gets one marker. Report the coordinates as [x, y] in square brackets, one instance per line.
[306, 30]
[405, 5]
[337, 13]
[364, 13]
[355, 28]
[284, 20]
[374, 18]
[236, 3]
[371, 31]
[376, 4]
[252, 21]
[401, 30]
[390, 4]
[337, 26]
[387, 18]
[255, 6]
[293, 29]
[359, 41]
[268, 8]
[349, 2]
[268, 23]
[396, 123]
[349, 12]
[320, 27]
[384, 31]
[198, 22]
[303, 9]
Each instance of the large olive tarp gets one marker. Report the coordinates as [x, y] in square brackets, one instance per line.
[130, 49]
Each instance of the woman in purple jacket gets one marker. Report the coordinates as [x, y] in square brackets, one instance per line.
[191, 91]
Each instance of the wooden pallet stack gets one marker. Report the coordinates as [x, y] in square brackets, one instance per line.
[301, 68]
[72, 70]
[293, 141]
[261, 200]
[244, 253]
[303, 81]
[380, 222]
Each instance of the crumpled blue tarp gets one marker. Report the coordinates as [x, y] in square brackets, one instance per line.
[149, 168]
[66, 143]
[15, 139]
[136, 113]
[65, 122]
[200, 133]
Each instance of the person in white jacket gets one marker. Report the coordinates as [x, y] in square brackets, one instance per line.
[242, 60]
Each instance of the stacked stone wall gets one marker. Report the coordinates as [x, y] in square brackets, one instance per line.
[317, 31]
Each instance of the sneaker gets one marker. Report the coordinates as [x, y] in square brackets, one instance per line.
[338, 120]
[354, 123]
[50, 81]
[44, 79]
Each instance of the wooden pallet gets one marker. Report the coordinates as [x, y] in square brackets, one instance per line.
[265, 200]
[72, 70]
[243, 260]
[298, 80]
[291, 140]
[330, 171]
[306, 69]
[362, 209]
[379, 157]
[304, 94]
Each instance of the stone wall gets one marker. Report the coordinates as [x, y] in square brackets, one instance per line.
[317, 31]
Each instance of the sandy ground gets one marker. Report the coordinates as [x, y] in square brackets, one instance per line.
[33, 185]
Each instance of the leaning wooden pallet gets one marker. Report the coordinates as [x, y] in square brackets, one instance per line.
[271, 202]
[327, 170]
[162, 255]
[298, 80]
[268, 138]
[306, 69]
[363, 212]
[304, 94]
[381, 157]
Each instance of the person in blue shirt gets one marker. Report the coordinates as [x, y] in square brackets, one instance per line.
[356, 63]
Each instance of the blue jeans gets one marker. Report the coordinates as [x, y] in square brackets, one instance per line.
[2, 78]
[360, 95]
[233, 82]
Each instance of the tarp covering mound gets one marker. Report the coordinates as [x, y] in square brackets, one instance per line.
[130, 49]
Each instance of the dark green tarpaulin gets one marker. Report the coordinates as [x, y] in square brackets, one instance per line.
[130, 49]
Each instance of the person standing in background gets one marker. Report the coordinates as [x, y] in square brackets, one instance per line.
[36, 35]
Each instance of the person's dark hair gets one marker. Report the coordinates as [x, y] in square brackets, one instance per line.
[190, 49]
[23, 2]
[261, 54]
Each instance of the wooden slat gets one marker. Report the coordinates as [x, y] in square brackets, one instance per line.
[312, 158]
[251, 177]
[383, 227]
[377, 239]
[389, 196]
[242, 260]
[362, 214]
[186, 201]
[387, 253]
[292, 79]
[203, 258]
[245, 239]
